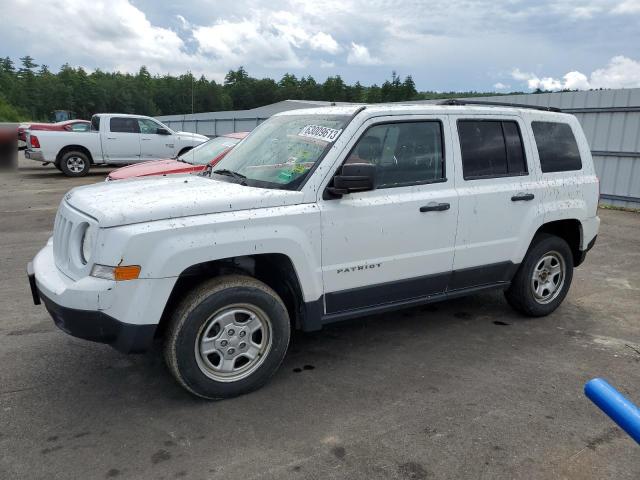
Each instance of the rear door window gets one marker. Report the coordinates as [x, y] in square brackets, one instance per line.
[124, 125]
[491, 148]
[557, 147]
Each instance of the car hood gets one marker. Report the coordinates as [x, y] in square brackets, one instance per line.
[157, 198]
[195, 136]
[154, 167]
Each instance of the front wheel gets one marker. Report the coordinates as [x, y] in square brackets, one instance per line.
[74, 164]
[544, 278]
[227, 337]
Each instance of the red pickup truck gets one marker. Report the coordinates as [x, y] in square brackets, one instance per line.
[193, 161]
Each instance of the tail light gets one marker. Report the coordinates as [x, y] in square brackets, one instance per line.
[35, 143]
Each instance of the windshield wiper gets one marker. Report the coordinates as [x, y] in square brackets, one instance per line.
[230, 173]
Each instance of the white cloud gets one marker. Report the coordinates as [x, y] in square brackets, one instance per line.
[324, 42]
[237, 43]
[299, 32]
[270, 38]
[628, 6]
[183, 22]
[359, 55]
[107, 34]
[501, 86]
[621, 72]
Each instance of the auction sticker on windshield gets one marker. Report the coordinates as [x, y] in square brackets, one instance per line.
[318, 132]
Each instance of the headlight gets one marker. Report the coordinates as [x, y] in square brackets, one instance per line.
[88, 239]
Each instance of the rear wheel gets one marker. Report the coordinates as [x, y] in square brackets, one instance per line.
[228, 337]
[544, 278]
[74, 164]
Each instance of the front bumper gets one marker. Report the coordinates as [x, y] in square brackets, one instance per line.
[76, 309]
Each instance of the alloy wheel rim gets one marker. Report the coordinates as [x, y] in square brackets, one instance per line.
[548, 277]
[75, 164]
[233, 342]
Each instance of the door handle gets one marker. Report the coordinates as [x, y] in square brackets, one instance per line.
[523, 197]
[435, 207]
[145, 139]
[111, 138]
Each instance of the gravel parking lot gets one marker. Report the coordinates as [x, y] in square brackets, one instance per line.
[462, 389]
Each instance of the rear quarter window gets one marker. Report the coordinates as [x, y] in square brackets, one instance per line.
[491, 149]
[557, 147]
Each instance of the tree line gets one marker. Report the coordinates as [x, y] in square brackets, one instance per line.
[32, 92]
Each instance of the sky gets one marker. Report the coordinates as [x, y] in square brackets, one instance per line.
[461, 45]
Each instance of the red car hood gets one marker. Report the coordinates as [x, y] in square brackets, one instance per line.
[154, 167]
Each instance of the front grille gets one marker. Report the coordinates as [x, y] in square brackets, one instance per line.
[61, 235]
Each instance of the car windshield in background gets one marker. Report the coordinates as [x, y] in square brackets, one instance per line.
[282, 150]
[204, 153]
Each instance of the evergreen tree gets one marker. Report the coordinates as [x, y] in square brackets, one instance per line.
[33, 92]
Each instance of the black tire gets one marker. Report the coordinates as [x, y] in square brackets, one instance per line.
[57, 165]
[521, 294]
[193, 318]
[75, 164]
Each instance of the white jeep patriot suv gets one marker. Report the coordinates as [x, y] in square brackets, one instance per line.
[318, 216]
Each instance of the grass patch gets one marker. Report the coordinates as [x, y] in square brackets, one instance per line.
[621, 209]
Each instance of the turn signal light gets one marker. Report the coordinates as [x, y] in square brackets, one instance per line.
[119, 273]
[130, 272]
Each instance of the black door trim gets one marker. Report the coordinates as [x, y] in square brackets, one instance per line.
[414, 302]
[384, 293]
[419, 290]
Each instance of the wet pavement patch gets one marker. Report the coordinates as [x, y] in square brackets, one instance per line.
[339, 452]
[306, 367]
[412, 471]
[160, 456]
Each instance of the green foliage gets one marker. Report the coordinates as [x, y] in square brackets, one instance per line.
[33, 93]
[8, 113]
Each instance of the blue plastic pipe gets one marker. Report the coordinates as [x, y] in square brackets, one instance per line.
[615, 405]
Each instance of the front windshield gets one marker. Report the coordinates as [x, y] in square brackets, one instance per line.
[204, 153]
[282, 150]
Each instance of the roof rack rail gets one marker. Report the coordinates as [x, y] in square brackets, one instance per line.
[454, 101]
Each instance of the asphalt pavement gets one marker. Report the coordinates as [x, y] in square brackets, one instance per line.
[461, 389]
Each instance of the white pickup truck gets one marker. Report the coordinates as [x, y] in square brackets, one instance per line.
[318, 216]
[114, 139]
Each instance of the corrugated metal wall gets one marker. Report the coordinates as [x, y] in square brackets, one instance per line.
[611, 122]
[610, 119]
[213, 127]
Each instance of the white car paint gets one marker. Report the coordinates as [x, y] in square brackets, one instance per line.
[113, 147]
[166, 225]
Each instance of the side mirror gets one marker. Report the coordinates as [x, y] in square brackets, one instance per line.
[353, 177]
[163, 131]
